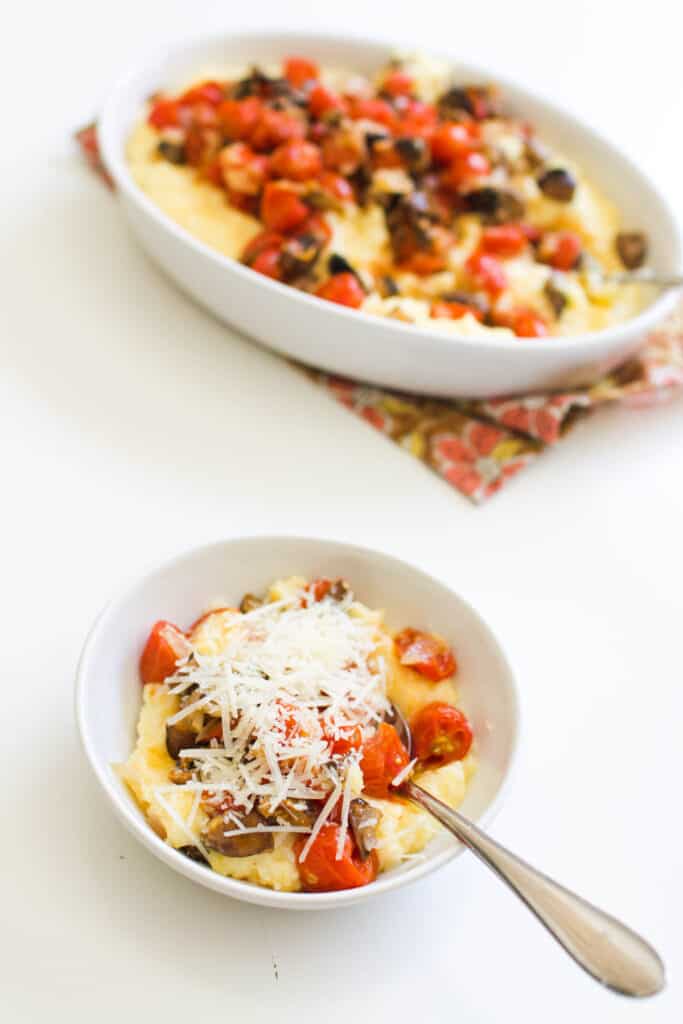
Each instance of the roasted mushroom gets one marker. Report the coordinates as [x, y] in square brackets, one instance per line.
[193, 853]
[558, 184]
[555, 296]
[249, 602]
[364, 819]
[632, 248]
[180, 735]
[238, 844]
[300, 813]
[340, 590]
[494, 204]
[174, 152]
[477, 101]
[414, 153]
[299, 255]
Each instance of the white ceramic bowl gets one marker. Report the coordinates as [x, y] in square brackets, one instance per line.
[348, 342]
[108, 685]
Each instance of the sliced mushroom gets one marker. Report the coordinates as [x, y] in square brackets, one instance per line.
[174, 152]
[632, 248]
[339, 265]
[364, 819]
[388, 287]
[180, 735]
[494, 204]
[477, 302]
[414, 152]
[249, 602]
[558, 184]
[244, 844]
[299, 255]
[193, 853]
[477, 101]
[340, 590]
[301, 813]
[555, 296]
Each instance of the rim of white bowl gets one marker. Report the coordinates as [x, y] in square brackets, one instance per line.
[115, 163]
[131, 817]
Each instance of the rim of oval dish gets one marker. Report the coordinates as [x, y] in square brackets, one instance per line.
[131, 816]
[115, 163]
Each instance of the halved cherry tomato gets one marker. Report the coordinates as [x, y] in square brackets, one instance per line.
[281, 208]
[322, 872]
[239, 117]
[372, 110]
[273, 127]
[443, 310]
[269, 264]
[205, 92]
[299, 70]
[561, 249]
[450, 140]
[297, 161]
[527, 323]
[322, 100]
[244, 171]
[164, 114]
[424, 263]
[398, 83]
[344, 289]
[166, 644]
[425, 653]
[259, 243]
[319, 588]
[351, 739]
[486, 272]
[441, 734]
[505, 240]
[465, 167]
[383, 757]
[417, 118]
[336, 185]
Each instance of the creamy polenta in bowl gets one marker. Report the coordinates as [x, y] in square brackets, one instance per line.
[408, 193]
[272, 736]
[247, 747]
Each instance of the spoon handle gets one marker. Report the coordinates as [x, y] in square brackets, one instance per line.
[608, 950]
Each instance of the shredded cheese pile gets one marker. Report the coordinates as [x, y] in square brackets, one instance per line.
[293, 676]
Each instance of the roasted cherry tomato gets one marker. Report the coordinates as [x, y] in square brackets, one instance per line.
[527, 323]
[418, 118]
[425, 653]
[372, 110]
[269, 264]
[166, 644]
[465, 168]
[322, 872]
[444, 310]
[505, 240]
[486, 272]
[451, 140]
[164, 114]
[281, 208]
[351, 739]
[561, 249]
[344, 289]
[398, 83]
[299, 70]
[297, 161]
[205, 92]
[243, 170]
[273, 127]
[383, 757]
[336, 185]
[441, 734]
[239, 117]
[322, 100]
[259, 243]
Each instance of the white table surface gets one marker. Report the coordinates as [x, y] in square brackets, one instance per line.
[134, 425]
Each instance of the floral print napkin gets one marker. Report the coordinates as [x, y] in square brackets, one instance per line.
[477, 446]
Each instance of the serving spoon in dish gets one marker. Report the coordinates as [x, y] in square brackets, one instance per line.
[609, 951]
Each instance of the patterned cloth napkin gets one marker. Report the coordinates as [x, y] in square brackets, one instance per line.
[476, 446]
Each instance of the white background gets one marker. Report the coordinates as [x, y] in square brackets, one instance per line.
[134, 425]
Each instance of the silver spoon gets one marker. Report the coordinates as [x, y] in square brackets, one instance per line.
[609, 951]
